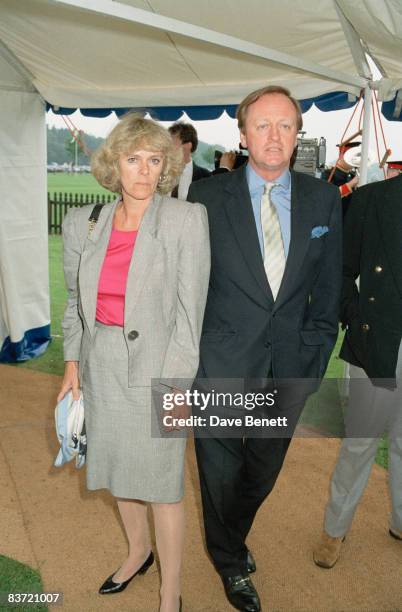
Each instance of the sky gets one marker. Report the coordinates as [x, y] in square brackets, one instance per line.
[224, 130]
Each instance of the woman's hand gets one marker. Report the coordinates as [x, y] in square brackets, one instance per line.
[70, 381]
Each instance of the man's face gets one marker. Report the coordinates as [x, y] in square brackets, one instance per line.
[185, 146]
[270, 134]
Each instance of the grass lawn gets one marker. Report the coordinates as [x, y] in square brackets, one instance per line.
[74, 183]
[19, 578]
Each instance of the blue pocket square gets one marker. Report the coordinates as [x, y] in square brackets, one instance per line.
[319, 230]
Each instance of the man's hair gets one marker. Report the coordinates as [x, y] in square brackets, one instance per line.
[242, 109]
[186, 132]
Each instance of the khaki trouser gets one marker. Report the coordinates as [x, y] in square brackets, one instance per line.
[357, 455]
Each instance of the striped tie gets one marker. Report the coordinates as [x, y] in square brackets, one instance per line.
[274, 252]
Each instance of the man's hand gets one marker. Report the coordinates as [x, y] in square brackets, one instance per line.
[227, 160]
[347, 188]
[177, 412]
[70, 381]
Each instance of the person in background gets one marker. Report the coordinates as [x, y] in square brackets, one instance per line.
[343, 174]
[137, 286]
[184, 136]
[394, 168]
[372, 313]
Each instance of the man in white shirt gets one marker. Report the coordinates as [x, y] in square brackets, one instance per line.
[185, 136]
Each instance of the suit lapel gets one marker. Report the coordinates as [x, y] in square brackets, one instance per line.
[389, 215]
[146, 247]
[239, 210]
[93, 254]
[300, 236]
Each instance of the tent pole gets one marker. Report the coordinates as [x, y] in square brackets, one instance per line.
[355, 44]
[366, 135]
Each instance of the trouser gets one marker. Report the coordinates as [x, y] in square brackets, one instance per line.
[357, 456]
[236, 475]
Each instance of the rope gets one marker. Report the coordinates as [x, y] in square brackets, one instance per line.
[375, 108]
[343, 135]
[74, 131]
[353, 114]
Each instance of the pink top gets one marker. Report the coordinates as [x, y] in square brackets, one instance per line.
[113, 278]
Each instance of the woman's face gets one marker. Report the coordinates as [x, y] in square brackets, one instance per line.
[140, 172]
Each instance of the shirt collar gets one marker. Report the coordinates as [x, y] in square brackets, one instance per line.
[256, 182]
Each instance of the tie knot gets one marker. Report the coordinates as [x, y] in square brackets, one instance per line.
[268, 187]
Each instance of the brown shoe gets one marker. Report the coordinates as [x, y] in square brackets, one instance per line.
[327, 552]
[395, 533]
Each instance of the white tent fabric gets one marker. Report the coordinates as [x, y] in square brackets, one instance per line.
[379, 24]
[83, 58]
[24, 282]
[147, 53]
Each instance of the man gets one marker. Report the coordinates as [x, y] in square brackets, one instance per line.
[185, 136]
[272, 312]
[372, 344]
[343, 174]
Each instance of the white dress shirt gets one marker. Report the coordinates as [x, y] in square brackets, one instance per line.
[185, 181]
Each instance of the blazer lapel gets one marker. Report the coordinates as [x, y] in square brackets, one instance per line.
[92, 257]
[239, 210]
[146, 247]
[300, 235]
[389, 214]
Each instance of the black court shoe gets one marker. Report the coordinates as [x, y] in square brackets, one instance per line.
[109, 586]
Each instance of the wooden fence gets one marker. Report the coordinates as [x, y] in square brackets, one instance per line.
[59, 204]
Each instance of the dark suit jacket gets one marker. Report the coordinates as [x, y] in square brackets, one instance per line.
[245, 333]
[198, 173]
[373, 250]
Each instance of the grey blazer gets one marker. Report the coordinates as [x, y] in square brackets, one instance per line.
[166, 291]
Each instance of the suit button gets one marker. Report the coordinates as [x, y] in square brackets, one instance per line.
[371, 299]
[365, 327]
[378, 269]
[133, 335]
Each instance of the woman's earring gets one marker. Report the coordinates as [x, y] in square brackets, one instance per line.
[162, 179]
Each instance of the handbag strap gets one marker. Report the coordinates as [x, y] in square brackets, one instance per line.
[93, 218]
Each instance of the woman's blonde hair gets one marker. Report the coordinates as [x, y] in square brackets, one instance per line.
[132, 133]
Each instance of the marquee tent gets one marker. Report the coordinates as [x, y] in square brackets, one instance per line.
[169, 54]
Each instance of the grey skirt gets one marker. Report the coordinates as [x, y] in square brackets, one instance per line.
[122, 455]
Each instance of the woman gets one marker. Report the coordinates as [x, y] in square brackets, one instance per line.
[137, 284]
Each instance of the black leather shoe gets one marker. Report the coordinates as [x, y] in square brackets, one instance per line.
[251, 566]
[241, 593]
[110, 587]
[395, 533]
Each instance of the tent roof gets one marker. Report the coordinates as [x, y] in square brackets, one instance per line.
[79, 57]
